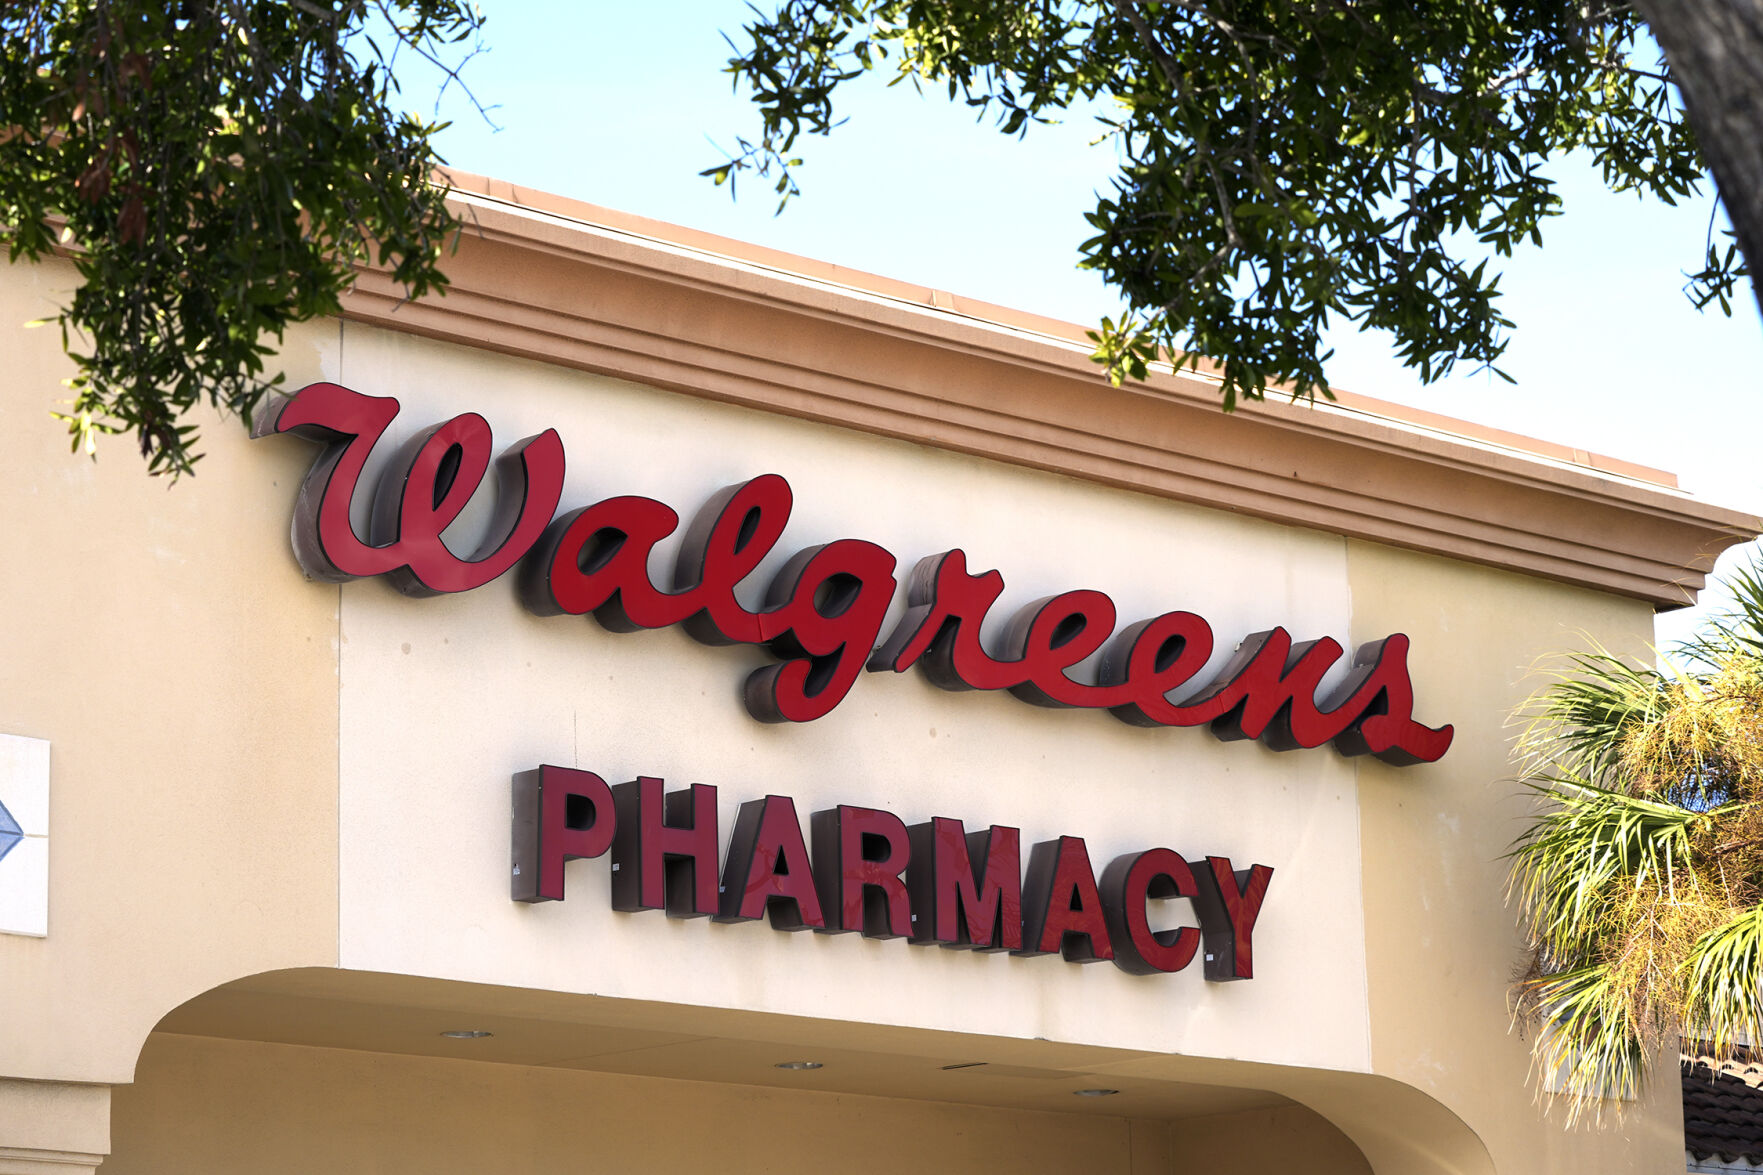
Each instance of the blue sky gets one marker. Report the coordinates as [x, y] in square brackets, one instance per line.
[622, 105]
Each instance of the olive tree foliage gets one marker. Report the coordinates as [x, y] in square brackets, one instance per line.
[214, 169]
[1283, 164]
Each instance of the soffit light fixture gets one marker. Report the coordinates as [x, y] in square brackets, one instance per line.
[467, 1034]
[797, 1065]
[1095, 1092]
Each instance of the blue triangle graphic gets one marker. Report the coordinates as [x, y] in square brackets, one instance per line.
[10, 832]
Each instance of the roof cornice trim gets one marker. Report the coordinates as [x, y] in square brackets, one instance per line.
[623, 303]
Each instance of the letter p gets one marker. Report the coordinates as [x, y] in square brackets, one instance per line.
[560, 814]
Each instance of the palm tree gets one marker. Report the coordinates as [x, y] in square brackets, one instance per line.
[1639, 877]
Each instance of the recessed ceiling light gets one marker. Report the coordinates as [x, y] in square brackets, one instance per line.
[797, 1065]
[467, 1034]
[1095, 1092]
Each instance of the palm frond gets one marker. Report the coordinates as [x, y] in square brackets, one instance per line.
[1586, 847]
[1576, 726]
[1588, 1039]
[1723, 976]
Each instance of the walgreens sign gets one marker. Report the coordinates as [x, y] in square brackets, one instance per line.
[871, 873]
[825, 609]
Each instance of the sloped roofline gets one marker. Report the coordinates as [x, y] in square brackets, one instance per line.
[589, 288]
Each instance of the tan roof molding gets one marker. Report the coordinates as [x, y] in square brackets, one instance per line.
[585, 288]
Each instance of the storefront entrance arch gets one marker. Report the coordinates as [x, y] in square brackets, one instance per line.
[352, 1066]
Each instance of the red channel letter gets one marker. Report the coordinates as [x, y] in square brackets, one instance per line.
[664, 856]
[966, 887]
[1061, 909]
[1228, 903]
[767, 871]
[859, 855]
[1128, 884]
[559, 815]
[421, 493]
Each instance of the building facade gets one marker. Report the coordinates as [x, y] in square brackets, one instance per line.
[302, 752]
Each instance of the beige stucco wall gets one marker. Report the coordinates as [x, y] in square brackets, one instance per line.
[187, 685]
[442, 699]
[1440, 945]
[253, 772]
